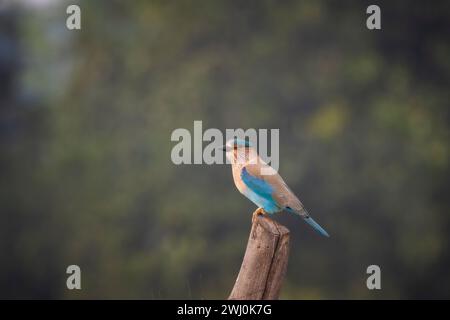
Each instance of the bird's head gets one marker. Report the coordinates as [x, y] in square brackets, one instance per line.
[239, 151]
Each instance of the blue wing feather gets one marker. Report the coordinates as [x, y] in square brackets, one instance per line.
[257, 185]
[263, 197]
[260, 192]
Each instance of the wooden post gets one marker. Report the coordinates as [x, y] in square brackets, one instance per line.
[265, 262]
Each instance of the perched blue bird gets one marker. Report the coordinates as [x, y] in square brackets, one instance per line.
[260, 183]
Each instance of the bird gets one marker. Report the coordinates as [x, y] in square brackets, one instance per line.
[262, 184]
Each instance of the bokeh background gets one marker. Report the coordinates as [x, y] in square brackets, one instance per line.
[85, 124]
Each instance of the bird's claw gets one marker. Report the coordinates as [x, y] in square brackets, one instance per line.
[258, 212]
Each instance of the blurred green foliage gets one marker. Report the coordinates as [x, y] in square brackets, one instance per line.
[85, 124]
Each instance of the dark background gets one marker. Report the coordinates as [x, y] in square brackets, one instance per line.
[85, 124]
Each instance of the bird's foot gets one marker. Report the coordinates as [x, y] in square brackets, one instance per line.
[258, 212]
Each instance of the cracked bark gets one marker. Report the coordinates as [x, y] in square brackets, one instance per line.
[265, 262]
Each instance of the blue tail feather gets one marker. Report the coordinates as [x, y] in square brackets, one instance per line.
[316, 226]
[310, 221]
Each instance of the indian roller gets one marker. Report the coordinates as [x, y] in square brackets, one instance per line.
[262, 184]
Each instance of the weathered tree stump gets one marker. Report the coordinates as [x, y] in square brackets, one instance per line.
[265, 262]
